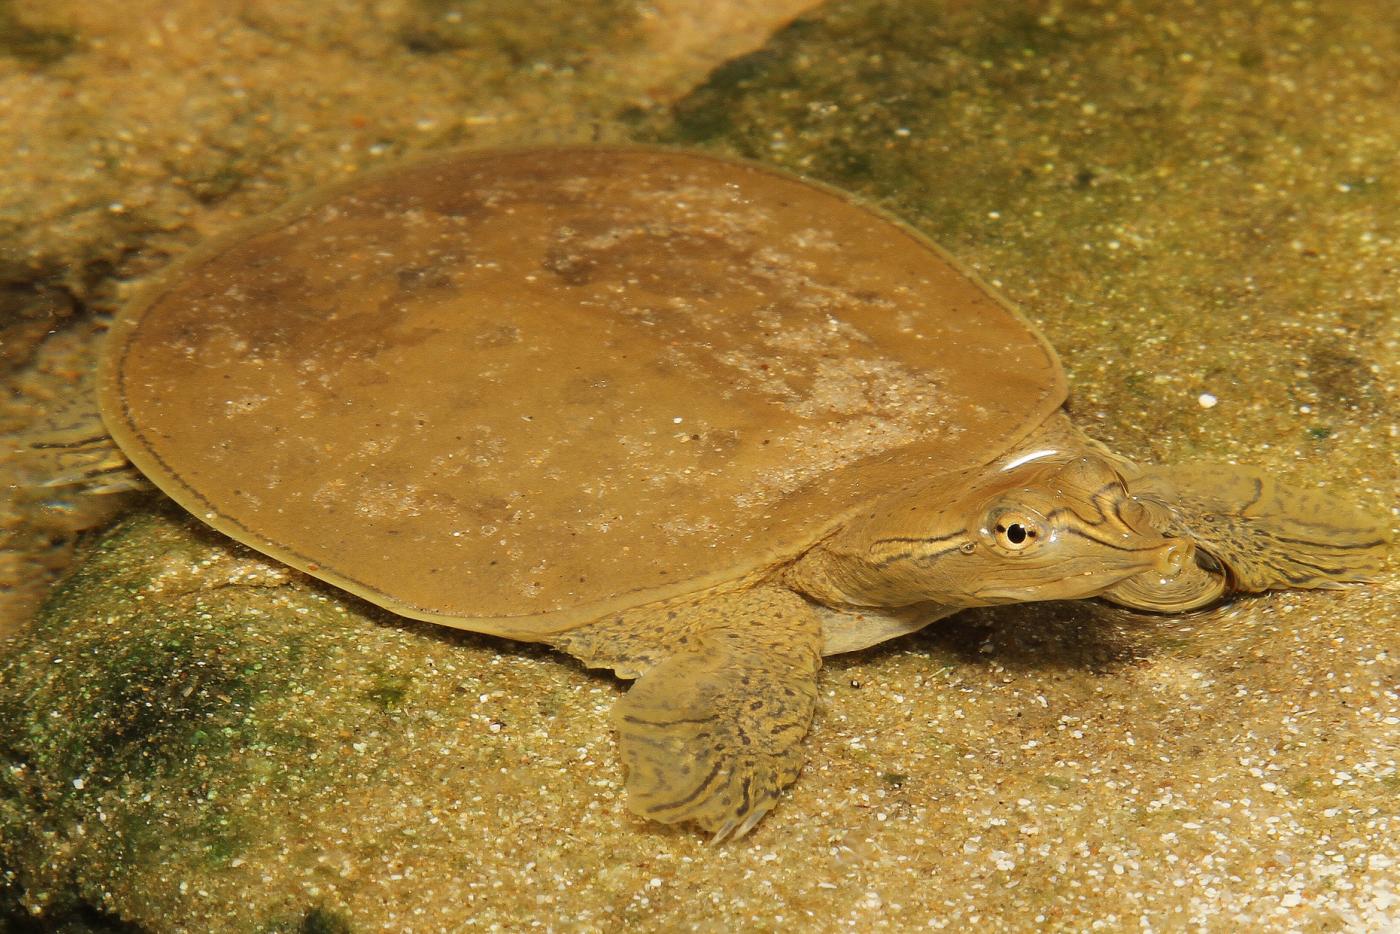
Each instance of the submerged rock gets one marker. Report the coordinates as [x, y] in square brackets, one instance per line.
[194, 739]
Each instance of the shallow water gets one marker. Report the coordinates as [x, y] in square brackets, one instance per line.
[1196, 202]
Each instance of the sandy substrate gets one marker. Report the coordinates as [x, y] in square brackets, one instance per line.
[1195, 203]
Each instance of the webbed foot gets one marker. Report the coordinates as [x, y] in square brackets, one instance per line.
[713, 734]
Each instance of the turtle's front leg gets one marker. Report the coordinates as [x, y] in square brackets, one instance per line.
[713, 733]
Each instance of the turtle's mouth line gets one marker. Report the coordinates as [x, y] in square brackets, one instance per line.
[1167, 560]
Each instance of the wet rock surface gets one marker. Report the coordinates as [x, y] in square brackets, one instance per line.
[1191, 201]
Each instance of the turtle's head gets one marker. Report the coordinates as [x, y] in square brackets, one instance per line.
[1058, 531]
[1053, 527]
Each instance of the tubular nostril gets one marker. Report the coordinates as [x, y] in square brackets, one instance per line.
[1172, 558]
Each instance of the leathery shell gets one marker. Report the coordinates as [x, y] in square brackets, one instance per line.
[511, 391]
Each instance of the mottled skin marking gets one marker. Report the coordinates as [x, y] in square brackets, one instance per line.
[455, 388]
[726, 678]
[713, 733]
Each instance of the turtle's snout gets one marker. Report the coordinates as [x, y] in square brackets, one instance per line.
[1174, 555]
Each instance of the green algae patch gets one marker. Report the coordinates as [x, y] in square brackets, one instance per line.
[317, 920]
[1167, 201]
[29, 44]
[186, 721]
[388, 690]
[529, 33]
[157, 703]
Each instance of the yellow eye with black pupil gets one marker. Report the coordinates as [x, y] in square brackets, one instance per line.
[1014, 534]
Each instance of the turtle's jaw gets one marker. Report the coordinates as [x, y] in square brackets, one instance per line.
[1076, 576]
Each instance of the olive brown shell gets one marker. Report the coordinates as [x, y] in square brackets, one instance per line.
[511, 391]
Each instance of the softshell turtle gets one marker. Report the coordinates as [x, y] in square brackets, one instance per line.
[695, 420]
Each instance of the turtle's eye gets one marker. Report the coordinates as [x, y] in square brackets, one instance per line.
[1016, 531]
